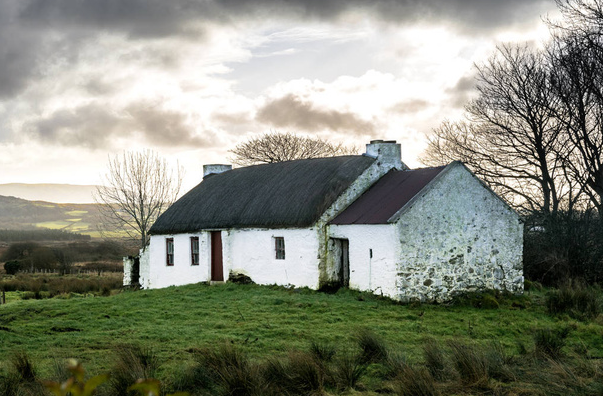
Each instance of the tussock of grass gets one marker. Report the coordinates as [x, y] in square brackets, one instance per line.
[470, 363]
[348, 369]
[576, 300]
[373, 347]
[434, 358]
[550, 342]
[230, 370]
[132, 362]
[415, 381]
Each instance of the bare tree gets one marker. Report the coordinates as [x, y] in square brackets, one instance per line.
[278, 147]
[138, 187]
[576, 55]
[510, 138]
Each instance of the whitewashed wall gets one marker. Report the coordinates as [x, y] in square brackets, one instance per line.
[156, 274]
[376, 274]
[456, 237]
[252, 252]
[246, 251]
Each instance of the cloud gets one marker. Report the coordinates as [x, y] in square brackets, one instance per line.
[292, 112]
[462, 91]
[410, 106]
[97, 126]
[35, 32]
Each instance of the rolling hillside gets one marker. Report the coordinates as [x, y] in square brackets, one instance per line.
[20, 214]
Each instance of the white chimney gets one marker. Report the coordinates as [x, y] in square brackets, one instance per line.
[387, 152]
[213, 169]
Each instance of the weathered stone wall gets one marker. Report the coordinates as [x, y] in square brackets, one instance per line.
[458, 236]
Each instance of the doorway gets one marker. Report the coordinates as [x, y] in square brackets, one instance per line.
[217, 271]
[341, 256]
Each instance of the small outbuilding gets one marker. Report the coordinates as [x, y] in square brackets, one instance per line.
[365, 222]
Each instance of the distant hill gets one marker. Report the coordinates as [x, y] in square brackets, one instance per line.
[21, 214]
[59, 193]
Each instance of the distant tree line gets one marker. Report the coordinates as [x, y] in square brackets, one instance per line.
[43, 234]
[33, 256]
[534, 133]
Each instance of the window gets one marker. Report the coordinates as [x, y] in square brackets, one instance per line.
[279, 247]
[194, 250]
[169, 249]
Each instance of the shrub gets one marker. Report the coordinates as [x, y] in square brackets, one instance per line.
[373, 347]
[575, 299]
[12, 267]
[563, 246]
[550, 342]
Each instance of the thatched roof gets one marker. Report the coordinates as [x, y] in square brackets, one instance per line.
[285, 194]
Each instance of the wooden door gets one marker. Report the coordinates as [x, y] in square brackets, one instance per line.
[217, 271]
[345, 262]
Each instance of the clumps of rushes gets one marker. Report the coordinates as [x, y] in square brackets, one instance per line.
[22, 378]
[470, 363]
[575, 299]
[415, 381]
[132, 362]
[348, 368]
[372, 347]
[550, 343]
[434, 358]
[230, 370]
[324, 352]
[299, 374]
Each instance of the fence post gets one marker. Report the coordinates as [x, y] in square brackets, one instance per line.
[3, 300]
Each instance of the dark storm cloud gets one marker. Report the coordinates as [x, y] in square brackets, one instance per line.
[94, 126]
[292, 112]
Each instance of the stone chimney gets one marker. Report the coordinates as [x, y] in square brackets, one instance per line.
[214, 169]
[387, 152]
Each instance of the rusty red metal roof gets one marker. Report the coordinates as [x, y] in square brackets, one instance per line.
[386, 197]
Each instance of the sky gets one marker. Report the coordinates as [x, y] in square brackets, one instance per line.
[84, 80]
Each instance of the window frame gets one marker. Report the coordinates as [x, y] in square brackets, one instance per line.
[194, 255]
[279, 248]
[169, 257]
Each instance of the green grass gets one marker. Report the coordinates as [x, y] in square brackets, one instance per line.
[263, 321]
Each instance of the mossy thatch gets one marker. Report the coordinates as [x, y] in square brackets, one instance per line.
[284, 194]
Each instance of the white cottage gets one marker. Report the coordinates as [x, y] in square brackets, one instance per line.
[366, 222]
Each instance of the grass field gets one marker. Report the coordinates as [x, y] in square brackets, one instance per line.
[265, 322]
